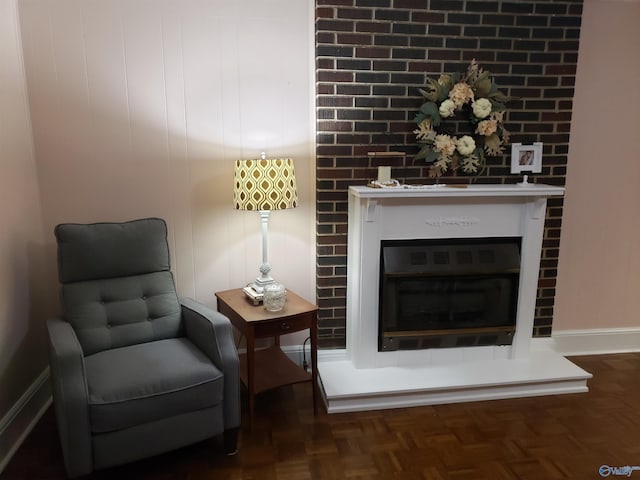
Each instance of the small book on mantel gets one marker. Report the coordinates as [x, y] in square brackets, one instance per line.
[386, 154]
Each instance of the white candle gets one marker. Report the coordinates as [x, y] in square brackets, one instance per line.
[384, 174]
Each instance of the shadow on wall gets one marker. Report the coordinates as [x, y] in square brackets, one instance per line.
[31, 283]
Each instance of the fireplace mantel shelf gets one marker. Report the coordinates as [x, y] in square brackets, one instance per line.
[489, 190]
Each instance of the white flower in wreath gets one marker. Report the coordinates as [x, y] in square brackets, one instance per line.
[481, 108]
[466, 145]
[447, 108]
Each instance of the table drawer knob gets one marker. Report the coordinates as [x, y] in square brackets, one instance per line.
[285, 326]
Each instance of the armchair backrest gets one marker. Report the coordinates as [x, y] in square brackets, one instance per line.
[117, 289]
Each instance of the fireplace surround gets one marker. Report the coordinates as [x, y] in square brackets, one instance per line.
[366, 376]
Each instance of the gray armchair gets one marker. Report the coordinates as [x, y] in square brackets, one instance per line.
[135, 370]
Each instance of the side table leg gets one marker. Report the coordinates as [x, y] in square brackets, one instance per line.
[251, 341]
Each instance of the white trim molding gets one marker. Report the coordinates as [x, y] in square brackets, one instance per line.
[596, 341]
[18, 422]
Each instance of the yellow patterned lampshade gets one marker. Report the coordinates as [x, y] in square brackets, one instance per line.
[265, 184]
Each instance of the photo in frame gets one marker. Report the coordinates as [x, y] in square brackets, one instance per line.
[526, 158]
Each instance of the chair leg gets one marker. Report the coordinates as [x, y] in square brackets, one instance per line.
[231, 441]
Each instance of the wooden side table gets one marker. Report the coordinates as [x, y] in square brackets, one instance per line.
[270, 368]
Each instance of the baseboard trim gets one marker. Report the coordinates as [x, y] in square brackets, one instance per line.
[18, 422]
[597, 341]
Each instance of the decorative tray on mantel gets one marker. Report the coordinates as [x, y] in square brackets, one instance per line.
[400, 186]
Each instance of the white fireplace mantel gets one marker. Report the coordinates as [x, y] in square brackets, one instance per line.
[476, 211]
[461, 191]
[365, 378]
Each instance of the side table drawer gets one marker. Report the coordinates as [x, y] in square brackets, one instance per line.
[282, 326]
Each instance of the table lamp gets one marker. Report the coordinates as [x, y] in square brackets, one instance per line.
[263, 185]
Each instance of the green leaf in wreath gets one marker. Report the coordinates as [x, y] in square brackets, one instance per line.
[422, 153]
[430, 109]
[430, 92]
[483, 88]
[484, 74]
[431, 156]
[497, 106]
[499, 97]
[444, 84]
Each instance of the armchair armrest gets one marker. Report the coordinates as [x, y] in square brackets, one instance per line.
[69, 389]
[211, 332]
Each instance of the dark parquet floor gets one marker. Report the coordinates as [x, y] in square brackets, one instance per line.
[553, 437]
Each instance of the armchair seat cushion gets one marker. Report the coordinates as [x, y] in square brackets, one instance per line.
[141, 383]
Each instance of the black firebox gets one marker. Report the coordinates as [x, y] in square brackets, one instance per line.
[448, 292]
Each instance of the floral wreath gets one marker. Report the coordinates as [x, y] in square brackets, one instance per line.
[475, 95]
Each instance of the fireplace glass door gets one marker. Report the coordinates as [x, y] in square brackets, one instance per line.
[448, 293]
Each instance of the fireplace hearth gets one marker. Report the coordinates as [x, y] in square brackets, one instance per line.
[442, 338]
[447, 293]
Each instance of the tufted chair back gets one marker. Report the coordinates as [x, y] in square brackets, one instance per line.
[117, 289]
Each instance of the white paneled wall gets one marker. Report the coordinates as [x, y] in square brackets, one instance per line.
[140, 107]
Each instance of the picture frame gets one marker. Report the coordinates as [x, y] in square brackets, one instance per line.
[526, 158]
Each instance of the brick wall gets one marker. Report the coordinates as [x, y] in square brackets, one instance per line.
[371, 58]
